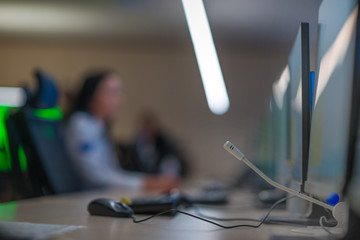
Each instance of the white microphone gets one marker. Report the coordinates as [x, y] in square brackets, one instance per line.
[338, 211]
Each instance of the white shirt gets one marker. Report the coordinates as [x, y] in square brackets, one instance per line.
[93, 155]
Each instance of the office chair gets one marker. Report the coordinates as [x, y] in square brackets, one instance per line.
[49, 167]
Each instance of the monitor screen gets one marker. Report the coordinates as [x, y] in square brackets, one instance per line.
[331, 113]
[285, 113]
[299, 123]
[288, 111]
[264, 138]
[353, 154]
[295, 141]
[280, 125]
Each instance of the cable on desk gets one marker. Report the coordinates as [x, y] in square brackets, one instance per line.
[323, 218]
[226, 219]
[173, 210]
[214, 223]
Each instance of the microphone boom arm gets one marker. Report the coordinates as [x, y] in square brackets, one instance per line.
[239, 155]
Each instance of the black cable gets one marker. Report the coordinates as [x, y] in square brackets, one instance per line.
[155, 215]
[322, 218]
[227, 219]
[214, 223]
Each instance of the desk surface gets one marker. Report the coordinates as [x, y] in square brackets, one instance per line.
[71, 210]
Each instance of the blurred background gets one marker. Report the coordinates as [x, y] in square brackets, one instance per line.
[148, 43]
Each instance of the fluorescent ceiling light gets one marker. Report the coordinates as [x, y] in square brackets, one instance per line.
[210, 71]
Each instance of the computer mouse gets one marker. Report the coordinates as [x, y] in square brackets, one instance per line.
[109, 207]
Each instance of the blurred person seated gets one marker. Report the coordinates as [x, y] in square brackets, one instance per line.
[88, 141]
[153, 152]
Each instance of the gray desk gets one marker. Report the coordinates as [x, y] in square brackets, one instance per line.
[71, 210]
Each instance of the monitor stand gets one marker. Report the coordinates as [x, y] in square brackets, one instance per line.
[311, 219]
[353, 225]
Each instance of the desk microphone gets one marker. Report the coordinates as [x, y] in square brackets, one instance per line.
[338, 208]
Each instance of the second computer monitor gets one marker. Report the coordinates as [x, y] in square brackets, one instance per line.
[334, 81]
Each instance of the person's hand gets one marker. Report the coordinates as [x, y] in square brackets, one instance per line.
[164, 183]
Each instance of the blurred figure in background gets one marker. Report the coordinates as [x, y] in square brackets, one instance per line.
[153, 152]
[88, 141]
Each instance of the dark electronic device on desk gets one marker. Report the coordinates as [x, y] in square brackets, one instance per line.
[156, 204]
[153, 204]
[207, 197]
[112, 208]
[109, 207]
[173, 199]
[212, 192]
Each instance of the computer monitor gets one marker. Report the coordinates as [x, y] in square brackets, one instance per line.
[298, 122]
[296, 125]
[264, 139]
[352, 180]
[299, 64]
[351, 187]
[279, 114]
[305, 93]
[291, 112]
[332, 103]
[286, 120]
[282, 129]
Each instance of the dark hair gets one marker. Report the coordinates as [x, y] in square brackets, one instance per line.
[86, 93]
